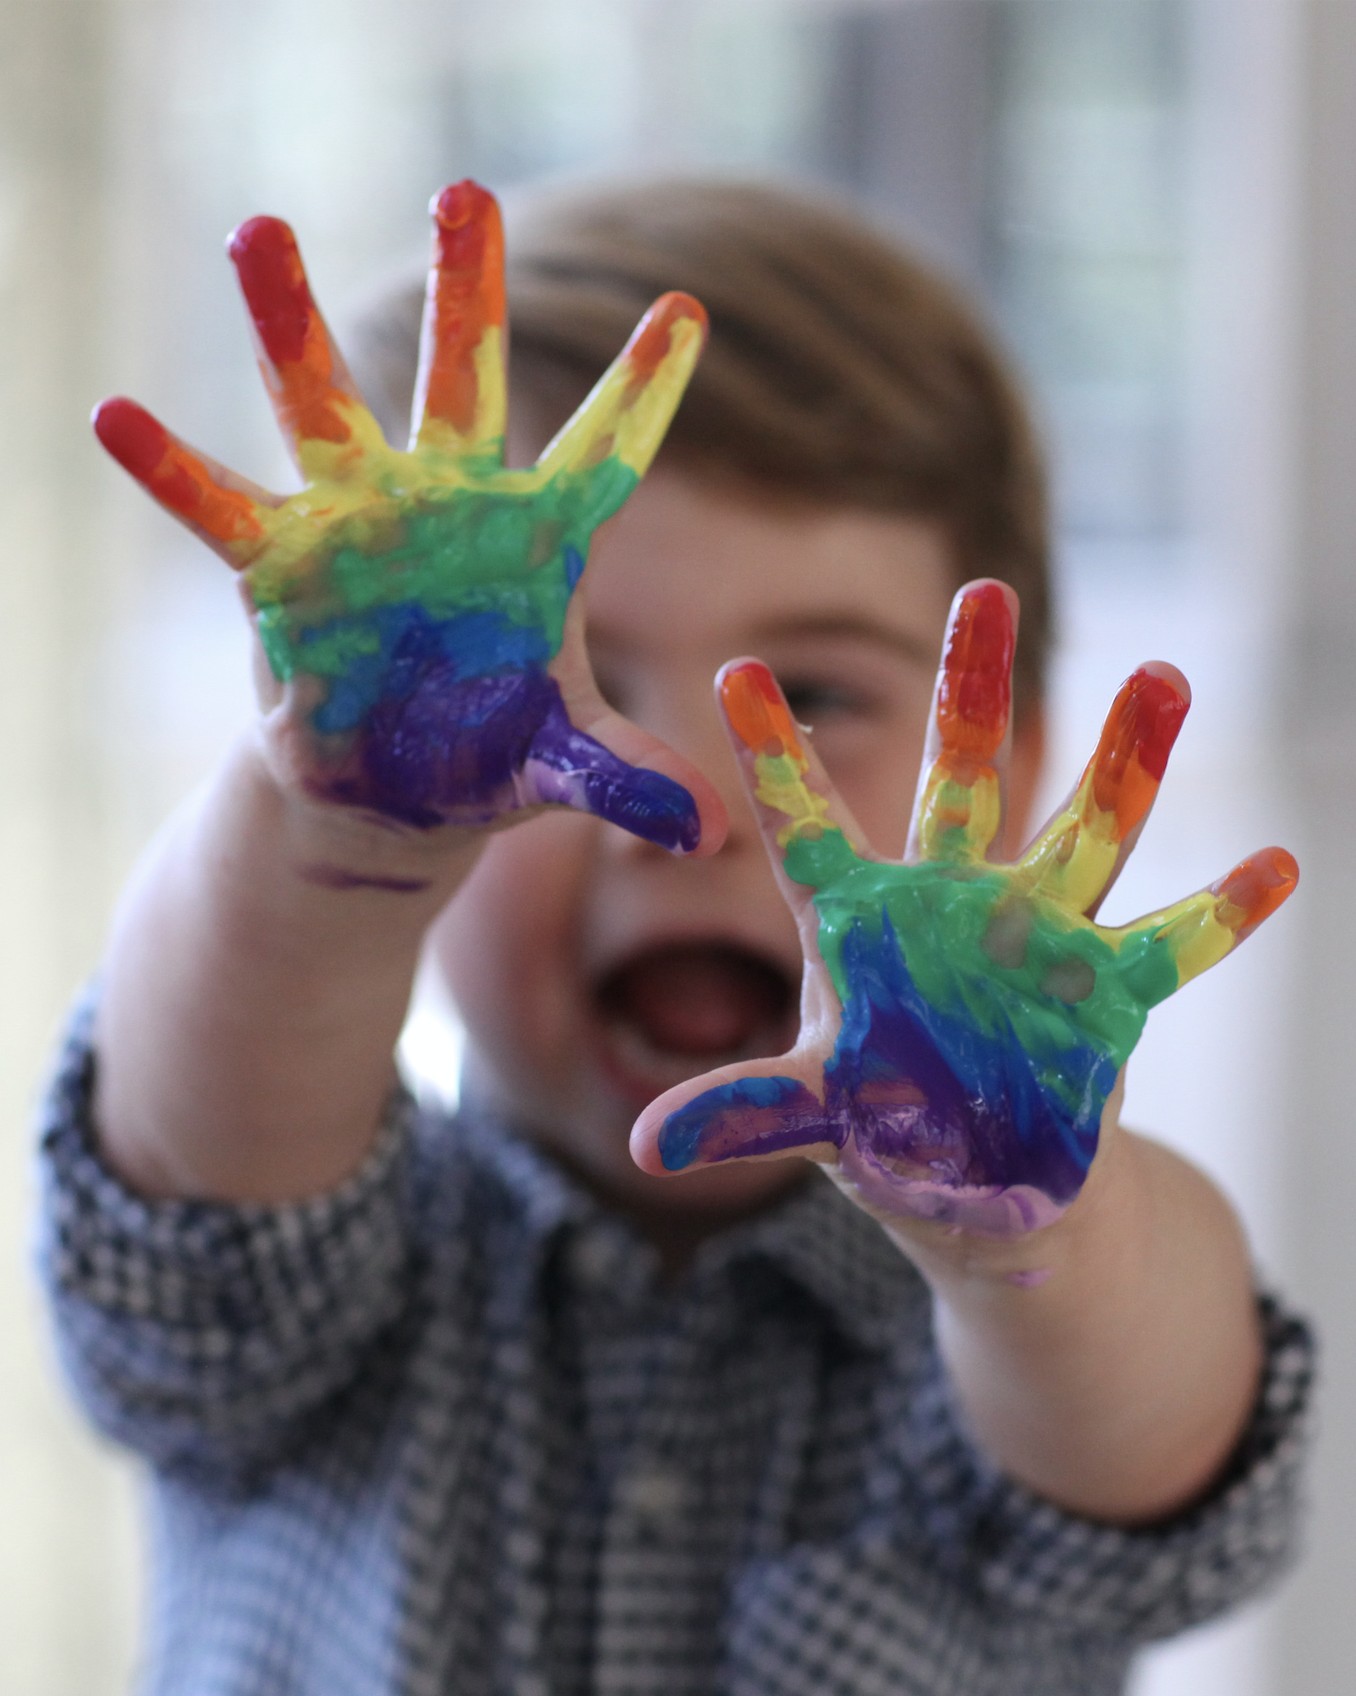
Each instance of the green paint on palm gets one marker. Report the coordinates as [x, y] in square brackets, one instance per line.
[453, 551]
[1013, 967]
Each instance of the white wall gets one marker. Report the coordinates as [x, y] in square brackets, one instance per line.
[1318, 1622]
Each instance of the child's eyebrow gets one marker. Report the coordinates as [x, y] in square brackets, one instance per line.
[919, 648]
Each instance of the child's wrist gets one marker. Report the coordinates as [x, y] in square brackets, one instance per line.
[332, 846]
[948, 1258]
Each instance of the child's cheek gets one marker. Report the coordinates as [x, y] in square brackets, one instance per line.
[509, 944]
[877, 783]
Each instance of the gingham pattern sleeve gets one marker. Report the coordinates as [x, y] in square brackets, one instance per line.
[201, 1334]
[1027, 1557]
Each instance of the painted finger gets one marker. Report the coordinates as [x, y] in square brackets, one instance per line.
[587, 757]
[617, 431]
[959, 804]
[459, 396]
[446, 748]
[316, 402]
[1078, 856]
[757, 1109]
[1159, 953]
[225, 510]
[567, 768]
[585, 711]
[810, 836]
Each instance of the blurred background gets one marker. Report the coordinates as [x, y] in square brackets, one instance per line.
[1156, 199]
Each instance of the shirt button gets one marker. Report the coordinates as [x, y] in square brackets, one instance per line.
[591, 1260]
[654, 1494]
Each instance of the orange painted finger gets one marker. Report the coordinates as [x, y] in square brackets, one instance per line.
[756, 710]
[459, 399]
[184, 483]
[1077, 856]
[1254, 889]
[959, 806]
[1201, 930]
[314, 398]
[629, 409]
[650, 343]
[794, 799]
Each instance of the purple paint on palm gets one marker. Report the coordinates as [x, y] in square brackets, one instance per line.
[919, 1105]
[464, 750]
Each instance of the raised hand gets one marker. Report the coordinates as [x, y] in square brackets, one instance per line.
[415, 606]
[963, 1022]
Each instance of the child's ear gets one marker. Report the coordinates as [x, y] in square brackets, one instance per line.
[1024, 775]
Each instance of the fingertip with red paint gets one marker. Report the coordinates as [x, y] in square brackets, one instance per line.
[651, 341]
[267, 261]
[974, 689]
[1254, 889]
[131, 435]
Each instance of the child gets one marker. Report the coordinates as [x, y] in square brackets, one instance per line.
[487, 1406]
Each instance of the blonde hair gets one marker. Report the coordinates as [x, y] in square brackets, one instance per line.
[840, 369]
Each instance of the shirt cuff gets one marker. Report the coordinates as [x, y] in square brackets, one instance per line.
[201, 1331]
[1148, 1582]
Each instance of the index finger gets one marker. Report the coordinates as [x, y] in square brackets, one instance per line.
[807, 830]
[625, 416]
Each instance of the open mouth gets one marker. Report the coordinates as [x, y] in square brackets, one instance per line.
[679, 1010]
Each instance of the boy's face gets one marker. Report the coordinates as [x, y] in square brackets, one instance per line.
[592, 970]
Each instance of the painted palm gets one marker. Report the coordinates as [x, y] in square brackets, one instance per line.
[979, 1015]
[413, 605]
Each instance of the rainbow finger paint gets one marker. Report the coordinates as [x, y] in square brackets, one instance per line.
[984, 1017]
[414, 600]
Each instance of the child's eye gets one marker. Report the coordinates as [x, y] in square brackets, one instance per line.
[812, 701]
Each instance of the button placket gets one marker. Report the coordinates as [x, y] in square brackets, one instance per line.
[654, 1495]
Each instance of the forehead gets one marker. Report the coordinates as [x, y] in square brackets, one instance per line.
[690, 561]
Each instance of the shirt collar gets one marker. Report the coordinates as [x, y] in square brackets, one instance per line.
[544, 1193]
[815, 1237]
[837, 1254]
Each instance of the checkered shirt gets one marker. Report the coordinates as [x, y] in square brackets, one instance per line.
[442, 1432]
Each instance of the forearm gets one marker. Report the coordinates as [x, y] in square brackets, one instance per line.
[1110, 1361]
[256, 981]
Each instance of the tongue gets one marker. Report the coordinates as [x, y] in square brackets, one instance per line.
[697, 1000]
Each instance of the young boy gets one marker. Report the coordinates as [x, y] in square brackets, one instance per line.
[485, 1405]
